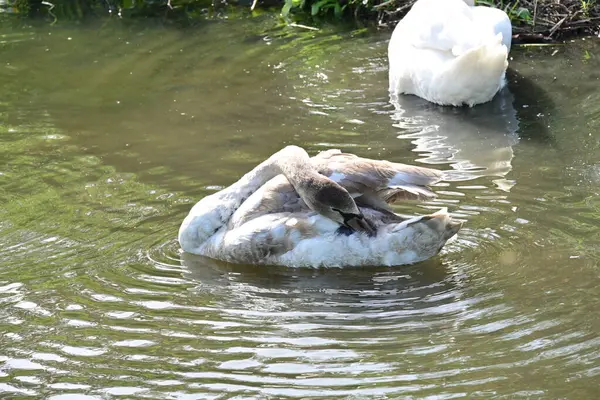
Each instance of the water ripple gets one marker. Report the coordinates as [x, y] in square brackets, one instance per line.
[97, 300]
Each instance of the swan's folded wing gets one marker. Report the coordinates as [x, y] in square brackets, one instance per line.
[327, 154]
[275, 196]
[406, 192]
[377, 182]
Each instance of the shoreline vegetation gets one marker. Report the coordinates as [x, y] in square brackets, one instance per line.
[534, 21]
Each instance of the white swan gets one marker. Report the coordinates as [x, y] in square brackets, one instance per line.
[330, 210]
[450, 52]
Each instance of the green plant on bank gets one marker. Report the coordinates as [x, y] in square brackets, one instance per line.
[325, 7]
[581, 15]
[514, 12]
[337, 7]
[586, 6]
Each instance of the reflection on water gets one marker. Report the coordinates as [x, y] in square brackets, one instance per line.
[476, 141]
[110, 136]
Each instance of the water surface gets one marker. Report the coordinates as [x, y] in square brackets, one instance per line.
[109, 133]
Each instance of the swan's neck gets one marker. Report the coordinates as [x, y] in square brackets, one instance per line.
[292, 161]
[238, 192]
[296, 167]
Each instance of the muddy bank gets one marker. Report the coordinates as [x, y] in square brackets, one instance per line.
[533, 20]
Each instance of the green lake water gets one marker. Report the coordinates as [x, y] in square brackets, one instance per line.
[110, 132]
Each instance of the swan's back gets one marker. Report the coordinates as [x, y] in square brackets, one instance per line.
[443, 25]
[274, 225]
[370, 182]
[440, 45]
[497, 20]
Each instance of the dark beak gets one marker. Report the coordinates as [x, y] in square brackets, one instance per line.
[359, 224]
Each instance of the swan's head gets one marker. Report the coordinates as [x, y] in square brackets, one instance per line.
[333, 201]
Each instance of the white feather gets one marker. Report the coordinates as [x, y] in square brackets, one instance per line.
[301, 237]
[450, 52]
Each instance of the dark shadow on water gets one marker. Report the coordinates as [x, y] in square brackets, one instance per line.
[533, 105]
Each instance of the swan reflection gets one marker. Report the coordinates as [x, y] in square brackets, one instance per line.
[476, 141]
[213, 275]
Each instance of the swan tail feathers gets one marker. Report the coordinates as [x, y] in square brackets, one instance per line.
[478, 72]
[442, 223]
[438, 227]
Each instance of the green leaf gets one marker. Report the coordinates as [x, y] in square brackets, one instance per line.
[337, 11]
[287, 7]
[314, 9]
[523, 13]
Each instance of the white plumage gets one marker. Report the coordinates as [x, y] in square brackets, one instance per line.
[265, 217]
[450, 52]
